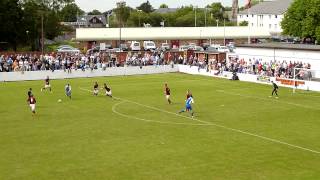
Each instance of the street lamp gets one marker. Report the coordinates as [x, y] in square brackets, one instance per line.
[205, 17]
[225, 16]
[139, 11]
[108, 16]
[27, 32]
[224, 31]
[195, 16]
[41, 12]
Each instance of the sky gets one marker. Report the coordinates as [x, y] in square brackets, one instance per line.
[104, 5]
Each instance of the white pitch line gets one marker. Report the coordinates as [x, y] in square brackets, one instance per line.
[221, 126]
[148, 120]
[307, 94]
[266, 99]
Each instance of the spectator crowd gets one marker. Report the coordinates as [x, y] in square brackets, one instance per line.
[272, 68]
[68, 62]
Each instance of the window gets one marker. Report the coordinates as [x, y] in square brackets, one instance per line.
[247, 15]
[269, 16]
[270, 26]
[252, 24]
[276, 16]
[252, 15]
[240, 16]
[275, 26]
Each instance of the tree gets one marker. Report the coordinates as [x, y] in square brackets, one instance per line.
[70, 12]
[163, 6]
[146, 7]
[95, 12]
[243, 23]
[54, 5]
[52, 26]
[11, 16]
[122, 14]
[217, 10]
[302, 19]
[32, 24]
[253, 3]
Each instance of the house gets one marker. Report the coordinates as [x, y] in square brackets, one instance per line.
[88, 21]
[266, 15]
[165, 10]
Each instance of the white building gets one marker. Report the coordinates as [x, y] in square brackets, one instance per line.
[170, 33]
[267, 15]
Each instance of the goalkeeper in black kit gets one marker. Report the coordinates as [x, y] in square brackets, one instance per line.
[275, 89]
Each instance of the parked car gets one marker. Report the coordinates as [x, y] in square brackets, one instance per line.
[192, 46]
[212, 48]
[93, 50]
[135, 46]
[116, 50]
[62, 46]
[199, 48]
[165, 46]
[231, 46]
[68, 50]
[108, 46]
[184, 48]
[124, 47]
[205, 46]
[223, 49]
[149, 45]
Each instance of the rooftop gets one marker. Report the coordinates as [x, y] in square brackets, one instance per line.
[276, 7]
[283, 46]
[87, 18]
[165, 10]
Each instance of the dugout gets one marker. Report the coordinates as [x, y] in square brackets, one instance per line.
[209, 56]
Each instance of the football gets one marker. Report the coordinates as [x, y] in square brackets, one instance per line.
[59, 100]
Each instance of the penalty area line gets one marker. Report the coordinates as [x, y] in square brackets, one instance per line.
[218, 125]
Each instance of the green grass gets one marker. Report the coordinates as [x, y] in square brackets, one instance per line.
[85, 139]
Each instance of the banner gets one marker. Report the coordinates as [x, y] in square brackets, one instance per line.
[290, 82]
[263, 78]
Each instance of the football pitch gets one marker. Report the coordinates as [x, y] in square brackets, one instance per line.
[238, 131]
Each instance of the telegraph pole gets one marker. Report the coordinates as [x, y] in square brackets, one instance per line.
[42, 35]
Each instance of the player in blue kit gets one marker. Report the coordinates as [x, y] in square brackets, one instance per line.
[188, 108]
[68, 90]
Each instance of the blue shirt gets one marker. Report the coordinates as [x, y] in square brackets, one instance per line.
[189, 101]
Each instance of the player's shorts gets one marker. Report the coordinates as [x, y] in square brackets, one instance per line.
[95, 91]
[188, 108]
[47, 86]
[33, 107]
[109, 93]
[167, 96]
[68, 93]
